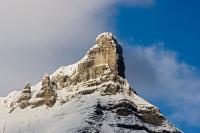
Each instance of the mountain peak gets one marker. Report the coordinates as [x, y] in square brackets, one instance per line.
[108, 51]
[91, 95]
[105, 37]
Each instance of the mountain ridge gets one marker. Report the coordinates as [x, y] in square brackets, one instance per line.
[95, 90]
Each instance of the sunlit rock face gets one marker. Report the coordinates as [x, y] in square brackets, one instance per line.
[90, 96]
[108, 51]
[104, 58]
[47, 93]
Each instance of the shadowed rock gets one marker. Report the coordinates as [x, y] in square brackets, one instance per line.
[25, 96]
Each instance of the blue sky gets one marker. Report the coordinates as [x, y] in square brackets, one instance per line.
[175, 23]
[160, 40]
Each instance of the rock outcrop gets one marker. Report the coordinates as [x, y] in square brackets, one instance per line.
[103, 59]
[25, 97]
[47, 95]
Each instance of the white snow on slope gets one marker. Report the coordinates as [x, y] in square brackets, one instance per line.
[72, 115]
[66, 118]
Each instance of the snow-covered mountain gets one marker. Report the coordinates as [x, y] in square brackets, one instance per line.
[90, 96]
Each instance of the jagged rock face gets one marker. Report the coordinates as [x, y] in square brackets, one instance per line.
[123, 117]
[25, 96]
[26, 93]
[47, 93]
[104, 58]
[45, 96]
[108, 51]
[90, 96]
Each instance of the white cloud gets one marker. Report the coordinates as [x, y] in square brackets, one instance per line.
[33, 34]
[159, 75]
[37, 36]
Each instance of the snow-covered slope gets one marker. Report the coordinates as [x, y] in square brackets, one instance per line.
[90, 96]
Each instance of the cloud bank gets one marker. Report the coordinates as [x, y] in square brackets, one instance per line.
[37, 36]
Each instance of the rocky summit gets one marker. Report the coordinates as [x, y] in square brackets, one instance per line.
[90, 96]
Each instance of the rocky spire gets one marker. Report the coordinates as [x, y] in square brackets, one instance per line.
[111, 53]
[104, 59]
[25, 96]
[47, 93]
